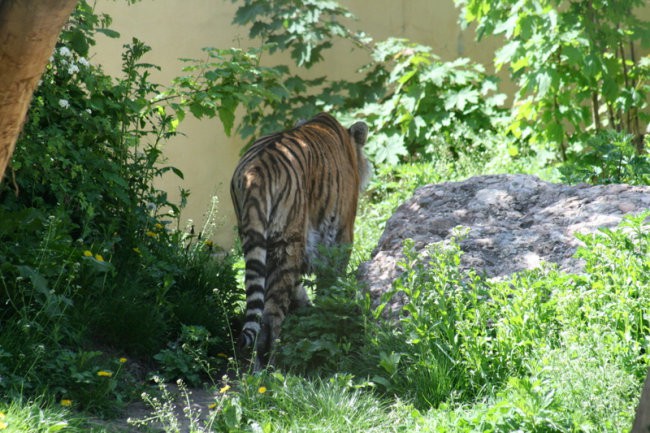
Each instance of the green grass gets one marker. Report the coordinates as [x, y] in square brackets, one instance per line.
[41, 416]
[544, 351]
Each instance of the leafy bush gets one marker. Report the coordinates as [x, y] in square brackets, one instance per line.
[91, 253]
[431, 108]
[418, 106]
[575, 65]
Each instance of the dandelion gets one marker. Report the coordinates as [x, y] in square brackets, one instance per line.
[66, 403]
[212, 406]
[158, 226]
[261, 389]
[224, 389]
[88, 253]
[104, 373]
[122, 360]
[222, 355]
[3, 425]
[63, 103]
[99, 257]
[151, 234]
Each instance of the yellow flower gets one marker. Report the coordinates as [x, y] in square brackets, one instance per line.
[209, 244]
[122, 360]
[99, 257]
[137, 250]
[2, 415]
[88, 253]
[222, 355]
[224, 389]
[151, 234]
[104, 373]
[261, 389]
[212, 406]
[3, 425]
[158, 226]
[66, 402]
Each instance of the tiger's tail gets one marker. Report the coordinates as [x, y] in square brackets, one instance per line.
[254, 246]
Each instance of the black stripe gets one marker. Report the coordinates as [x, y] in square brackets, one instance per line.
[250, 275]
[254, 288]
[252, 239]
[256, 266]
[248, 336]
[252, 318]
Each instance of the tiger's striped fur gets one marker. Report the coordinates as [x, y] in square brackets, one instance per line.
[294, 191]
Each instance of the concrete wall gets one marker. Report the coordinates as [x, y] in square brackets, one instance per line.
[180, 28]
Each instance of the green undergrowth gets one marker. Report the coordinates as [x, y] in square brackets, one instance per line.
[541, 351]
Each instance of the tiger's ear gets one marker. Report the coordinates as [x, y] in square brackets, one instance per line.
[359, 133]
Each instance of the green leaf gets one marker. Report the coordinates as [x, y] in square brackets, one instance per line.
[505, 54]
[227, 113]
[39, 283]
[459, 100]
[110, 33]
[58, 426]
[543, 83]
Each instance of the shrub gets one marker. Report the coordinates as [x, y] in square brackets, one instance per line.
[575, 65]
[607, 157]
[532, 345]
[90, 250]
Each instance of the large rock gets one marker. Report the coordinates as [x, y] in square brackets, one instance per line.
[515, 222]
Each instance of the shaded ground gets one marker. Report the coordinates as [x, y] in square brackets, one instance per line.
[198, 402]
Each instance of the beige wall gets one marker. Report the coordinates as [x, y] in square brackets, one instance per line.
[180, 28]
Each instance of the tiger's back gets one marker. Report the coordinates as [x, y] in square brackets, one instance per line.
[293, 192]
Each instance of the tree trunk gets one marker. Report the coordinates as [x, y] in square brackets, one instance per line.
[28, 32]
[642, 420]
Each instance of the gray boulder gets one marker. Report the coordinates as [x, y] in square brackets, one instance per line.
[515, 222]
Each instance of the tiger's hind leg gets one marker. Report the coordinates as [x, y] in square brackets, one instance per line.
[283, 281]
[299, 298]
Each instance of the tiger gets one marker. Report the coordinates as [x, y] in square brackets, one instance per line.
[294, 192]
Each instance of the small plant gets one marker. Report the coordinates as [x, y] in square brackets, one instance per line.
[326, 337]
[426, 356]
[90, 382]
[608, 157]
[188, 358]
[167, 414]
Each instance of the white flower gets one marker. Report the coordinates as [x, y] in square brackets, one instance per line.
[89, 111]
[63, 103]
[73, 69]
[65, 52]
[83, 62]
